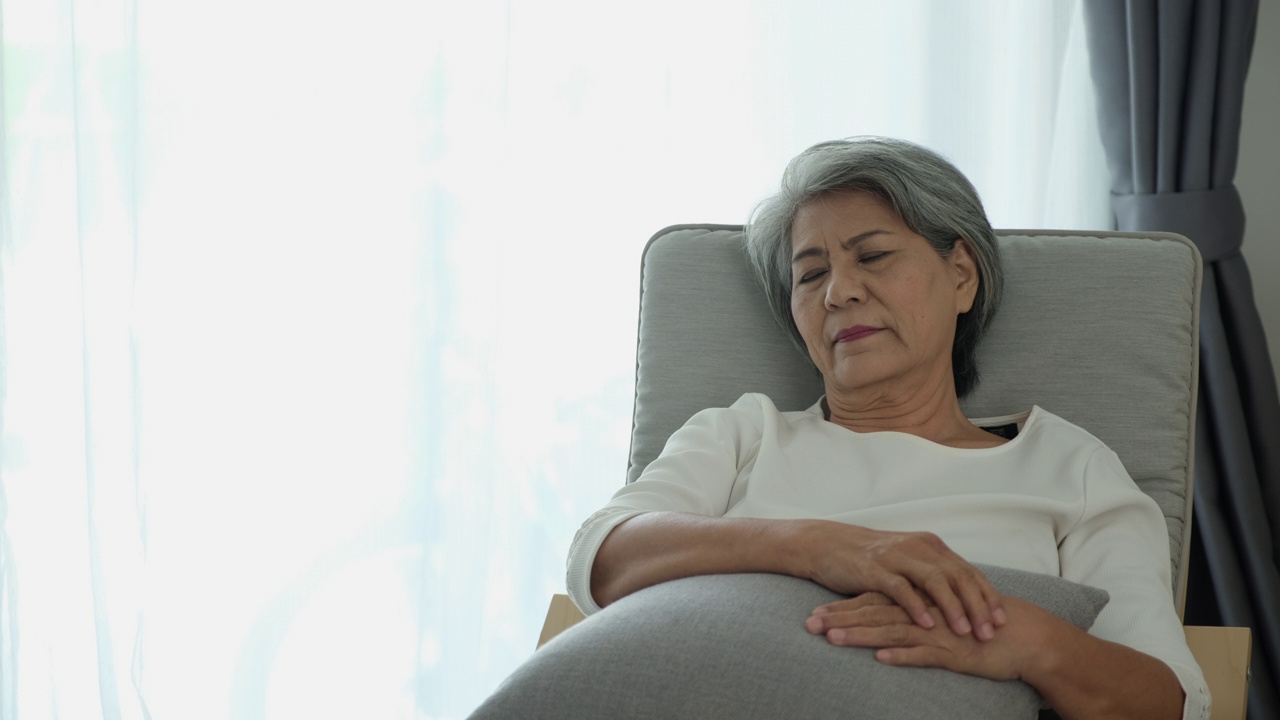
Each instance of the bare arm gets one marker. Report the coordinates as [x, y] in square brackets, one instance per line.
[655, 547]
[1082, 676]
[909, 567]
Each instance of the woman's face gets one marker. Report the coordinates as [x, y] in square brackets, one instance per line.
[875, 303]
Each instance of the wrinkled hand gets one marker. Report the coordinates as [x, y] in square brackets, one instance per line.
[874, 620]
[915, 571]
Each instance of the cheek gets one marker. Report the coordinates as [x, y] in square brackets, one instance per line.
[804, 317]
[798, 306]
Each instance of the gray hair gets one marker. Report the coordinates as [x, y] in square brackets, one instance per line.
[931, 196]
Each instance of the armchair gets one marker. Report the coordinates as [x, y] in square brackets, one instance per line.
[1099, 328]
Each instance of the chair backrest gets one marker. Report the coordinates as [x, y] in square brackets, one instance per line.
[1098, 328]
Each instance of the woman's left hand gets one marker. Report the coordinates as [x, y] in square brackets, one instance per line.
[873, 620]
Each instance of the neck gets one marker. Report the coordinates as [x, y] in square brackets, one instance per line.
[929, 410]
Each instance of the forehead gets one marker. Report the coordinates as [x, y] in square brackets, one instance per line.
[840, 215]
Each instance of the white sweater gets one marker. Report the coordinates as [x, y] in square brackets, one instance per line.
[1053, 500]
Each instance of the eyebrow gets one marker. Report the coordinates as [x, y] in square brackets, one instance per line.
[847, 245]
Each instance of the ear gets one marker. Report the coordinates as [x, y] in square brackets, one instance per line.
[965, 269]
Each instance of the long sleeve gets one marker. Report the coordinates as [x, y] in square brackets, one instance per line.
[695, 473]
[1120, 544]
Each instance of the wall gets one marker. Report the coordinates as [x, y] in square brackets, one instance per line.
[1258, 175]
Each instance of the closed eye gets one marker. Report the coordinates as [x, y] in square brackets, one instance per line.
[811, 276]
[873, 256]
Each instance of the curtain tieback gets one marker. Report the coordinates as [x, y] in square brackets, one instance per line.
[1212, 219]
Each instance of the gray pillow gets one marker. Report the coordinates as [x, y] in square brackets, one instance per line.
[734, 646]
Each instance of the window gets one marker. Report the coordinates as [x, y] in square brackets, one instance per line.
[319, 318]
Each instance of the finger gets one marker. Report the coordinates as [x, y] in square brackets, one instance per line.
[979, 598]
[967, 598]
[980, 602]
[902, 592]
[869, 616]
[937, 582]
[864, 600]
[995, 601]
[918, 656]
[872, 616]
[947, 579]
[898, 635]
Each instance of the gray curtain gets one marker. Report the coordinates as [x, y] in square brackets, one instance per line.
[1170, 84]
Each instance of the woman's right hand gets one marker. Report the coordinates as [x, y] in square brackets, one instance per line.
[915, 569]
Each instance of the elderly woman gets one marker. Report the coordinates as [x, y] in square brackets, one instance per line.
[878, 258]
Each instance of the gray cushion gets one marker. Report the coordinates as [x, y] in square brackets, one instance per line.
[734, 646]
[1097, 328]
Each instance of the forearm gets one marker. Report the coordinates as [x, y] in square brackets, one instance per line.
[1081, 677]
[652, 548]
[655, 547]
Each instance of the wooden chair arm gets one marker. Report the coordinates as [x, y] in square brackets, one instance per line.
[561, 616]
[1222, 652]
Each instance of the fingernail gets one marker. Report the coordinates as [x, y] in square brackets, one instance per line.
[964, 627]
[836, 636]
[926, 621]
[986, 632]
[998, 614]
[813, 625]
[821, 611]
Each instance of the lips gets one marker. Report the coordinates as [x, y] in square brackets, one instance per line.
[857, 332]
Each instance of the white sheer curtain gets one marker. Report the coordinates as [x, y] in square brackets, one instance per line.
[318, 317]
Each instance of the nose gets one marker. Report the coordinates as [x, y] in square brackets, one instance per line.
[843, 287]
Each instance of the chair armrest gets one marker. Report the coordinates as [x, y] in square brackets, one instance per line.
[561, 616]
[1223, 655]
